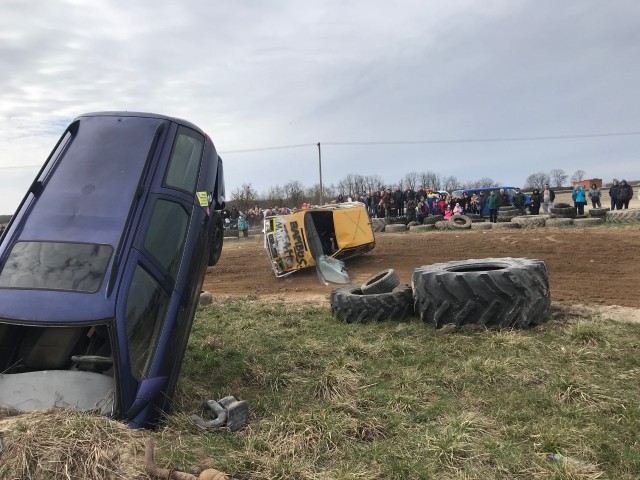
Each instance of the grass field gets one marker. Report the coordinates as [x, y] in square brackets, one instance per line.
[404, 401]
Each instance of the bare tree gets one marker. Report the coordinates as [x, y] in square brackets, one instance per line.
[294, 191]
[431, 180]
[411, 179]
[275, 196]
[482, 182]
[536, 180]
[451, 183]
[373, 183]
[244, 197]
[578, 176]
[558, 177]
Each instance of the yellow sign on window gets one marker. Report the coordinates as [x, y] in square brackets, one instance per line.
[203, 199]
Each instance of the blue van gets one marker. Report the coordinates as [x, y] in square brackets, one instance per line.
[510, 191]
[102, 265]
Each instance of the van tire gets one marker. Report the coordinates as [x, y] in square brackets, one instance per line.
[349, 305]
[598, 212]
[561, 205]
[382, 282]
[217, 238]
[494, 292]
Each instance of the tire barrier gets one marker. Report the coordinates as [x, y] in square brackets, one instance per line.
[395, 228]
[529, 222]
[482, 226]
[443, 225]
[421, 228]
[505, 225]
[630, 215]
[598, 212]
[494, 292]
[460, 222]
[559, 222]
[378, 224]
[432, 220]
[588, 221]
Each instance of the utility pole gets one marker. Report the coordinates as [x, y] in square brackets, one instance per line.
[320, 168]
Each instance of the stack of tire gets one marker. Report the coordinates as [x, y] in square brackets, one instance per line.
[492, 292]
[379, 298]
[562, 214]
[506, 213]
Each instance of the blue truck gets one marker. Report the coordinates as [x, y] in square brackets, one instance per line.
[102, 265]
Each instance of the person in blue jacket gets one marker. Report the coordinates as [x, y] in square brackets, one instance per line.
[579, 199]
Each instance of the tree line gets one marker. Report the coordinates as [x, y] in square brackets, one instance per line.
[294, 193]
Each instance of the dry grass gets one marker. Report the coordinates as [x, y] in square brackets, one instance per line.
[62, 445]
[384, 400]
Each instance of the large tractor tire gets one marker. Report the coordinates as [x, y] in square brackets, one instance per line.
[494, 292]
[529, 221]
[381, 282]
[443, 225]
[581, 222]
[631, 215]
[350, 305]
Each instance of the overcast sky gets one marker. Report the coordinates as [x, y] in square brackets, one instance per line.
[265, 74]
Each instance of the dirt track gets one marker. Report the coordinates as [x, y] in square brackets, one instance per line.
[596, 265]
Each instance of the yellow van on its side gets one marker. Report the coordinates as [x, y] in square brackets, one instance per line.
[295, 240]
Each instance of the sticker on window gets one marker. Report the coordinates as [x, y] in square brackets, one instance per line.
[203, 198]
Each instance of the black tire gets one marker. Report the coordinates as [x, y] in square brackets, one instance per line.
[598, 212]
[460, 222]
[495, 292]
[349, 305]
[382, 282]
[561, 205]
[217, 239]
[563, 210]
[432, 220]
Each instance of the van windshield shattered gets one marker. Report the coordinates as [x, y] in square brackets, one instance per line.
[78, 267]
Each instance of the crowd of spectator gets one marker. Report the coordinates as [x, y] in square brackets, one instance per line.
[427, 202]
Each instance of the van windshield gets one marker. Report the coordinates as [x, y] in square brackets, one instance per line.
[78, 267]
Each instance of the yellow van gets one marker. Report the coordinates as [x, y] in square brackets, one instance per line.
[296, 240]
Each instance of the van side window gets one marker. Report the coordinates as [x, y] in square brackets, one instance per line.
[146, 307]
[166, 234]
[184, 165]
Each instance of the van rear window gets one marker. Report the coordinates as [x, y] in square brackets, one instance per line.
[78, 267]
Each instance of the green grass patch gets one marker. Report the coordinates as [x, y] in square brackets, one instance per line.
[404, 401]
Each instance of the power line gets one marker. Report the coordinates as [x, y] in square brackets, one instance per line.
[404, 142]
[437, 141]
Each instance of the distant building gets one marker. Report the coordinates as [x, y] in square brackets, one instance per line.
[587, 183]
